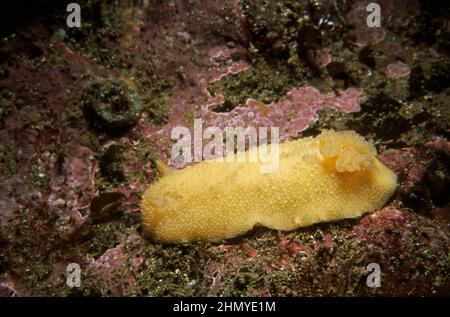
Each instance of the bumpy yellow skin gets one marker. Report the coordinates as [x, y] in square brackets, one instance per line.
[332, 176]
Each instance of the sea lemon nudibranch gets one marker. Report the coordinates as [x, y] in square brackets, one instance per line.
[333, 176]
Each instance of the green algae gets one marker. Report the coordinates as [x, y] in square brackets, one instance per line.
[6, 103]
[274, 25]
[181, 270]
[267, 80]
[8, 162]
[171, 271]
[106, 237]
[157, 99]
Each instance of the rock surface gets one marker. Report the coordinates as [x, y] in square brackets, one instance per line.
[178, 57]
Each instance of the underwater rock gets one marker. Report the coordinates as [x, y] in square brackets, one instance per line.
[273, 24]
[431, 26]
[111, 163]
[111, 105]
[423, 176]
[278, 26]
[396, 15]
[431, 73]
[309, 47]
[410, 249]
[107, 266]
[46, 183]
[339, 71]
[106, 205]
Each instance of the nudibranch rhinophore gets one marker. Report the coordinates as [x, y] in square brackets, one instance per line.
[332, 176]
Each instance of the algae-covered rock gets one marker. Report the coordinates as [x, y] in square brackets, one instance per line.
[110, 105]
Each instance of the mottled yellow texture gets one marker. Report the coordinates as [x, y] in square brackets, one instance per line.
[332, 176]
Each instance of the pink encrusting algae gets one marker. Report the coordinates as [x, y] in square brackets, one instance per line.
[397, 70]
[292, 114]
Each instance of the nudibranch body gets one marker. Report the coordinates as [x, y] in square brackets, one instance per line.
[333, 176]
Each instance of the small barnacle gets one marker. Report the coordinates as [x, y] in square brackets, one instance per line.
[110, 105]
[111, 162]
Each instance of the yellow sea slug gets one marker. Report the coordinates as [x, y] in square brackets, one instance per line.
[329, 177]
